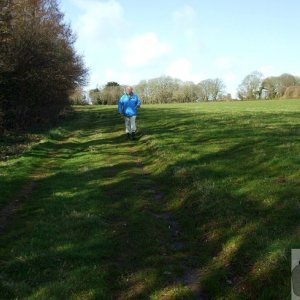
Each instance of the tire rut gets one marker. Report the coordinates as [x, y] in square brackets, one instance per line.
[190, 277]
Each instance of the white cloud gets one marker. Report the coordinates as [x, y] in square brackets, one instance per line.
[186, 26]
[143, 49]
[99, 21]
[182, 69]
[184, 13]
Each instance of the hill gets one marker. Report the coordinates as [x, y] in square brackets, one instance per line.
[204, 204]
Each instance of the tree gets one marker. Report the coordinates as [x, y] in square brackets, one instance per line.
[277, 85]
[286, 80]
[109, 94]
[187, 92]
[111, 83]
[204, 90]
[250, 88]
[272, 85]
[142, 89]
[78, 97]
[39, 67]
[5, 67]
[94, 95]
[162, 89]
[217, 88]
[166, 89]
[210, 89]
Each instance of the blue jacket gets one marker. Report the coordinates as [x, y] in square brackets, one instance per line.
[128, 105]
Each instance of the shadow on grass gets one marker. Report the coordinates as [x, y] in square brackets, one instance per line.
[89, 231]
[235, 190]
[86, 226]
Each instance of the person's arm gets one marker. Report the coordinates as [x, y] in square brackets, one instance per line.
[120, 106]
[138, 102]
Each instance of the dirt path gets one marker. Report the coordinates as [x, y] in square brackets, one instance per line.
[176, 242]
[190, 278]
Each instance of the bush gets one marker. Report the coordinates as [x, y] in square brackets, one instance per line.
[292, 92]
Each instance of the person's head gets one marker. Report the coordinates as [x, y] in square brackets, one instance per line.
[129, 90]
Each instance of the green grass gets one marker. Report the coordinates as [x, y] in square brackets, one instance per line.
[228, 172]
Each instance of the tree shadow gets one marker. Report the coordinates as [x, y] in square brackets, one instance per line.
[237, 201]
[91, 230]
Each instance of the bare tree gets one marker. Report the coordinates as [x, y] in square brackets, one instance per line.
[211, 89]
[107, 95]
[250, 87]
[159, 90]
[187, 92]
[79, 97]
[142, 89]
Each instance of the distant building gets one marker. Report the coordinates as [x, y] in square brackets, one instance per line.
[264, 94]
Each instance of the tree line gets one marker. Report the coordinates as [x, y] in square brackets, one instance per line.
[39, 67]
[166, 89]
[255, 86]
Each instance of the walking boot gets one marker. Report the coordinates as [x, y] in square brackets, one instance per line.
[127, 136]
[133, 135]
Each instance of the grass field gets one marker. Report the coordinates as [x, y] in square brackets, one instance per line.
[205, 202]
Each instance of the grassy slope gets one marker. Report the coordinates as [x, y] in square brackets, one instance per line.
[87, 231]
[14, 167]
[233, 176]
[228, 172]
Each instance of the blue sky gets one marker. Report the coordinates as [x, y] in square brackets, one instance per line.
[130, 40]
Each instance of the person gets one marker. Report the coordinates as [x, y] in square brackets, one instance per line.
[128, 106]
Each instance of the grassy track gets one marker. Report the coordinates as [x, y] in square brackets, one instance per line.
[208, 195]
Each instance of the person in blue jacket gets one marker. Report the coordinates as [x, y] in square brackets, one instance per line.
[128, 106]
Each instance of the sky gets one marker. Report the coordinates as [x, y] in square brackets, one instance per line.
[129, 40]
